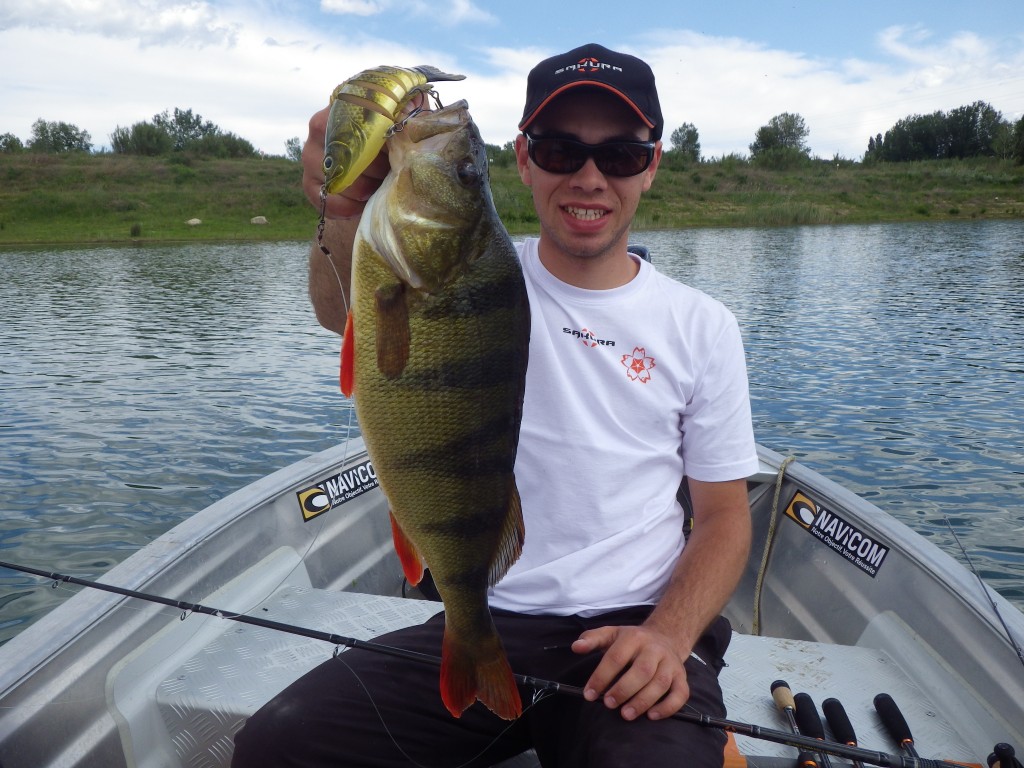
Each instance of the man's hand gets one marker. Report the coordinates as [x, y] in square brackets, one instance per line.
[641, 671]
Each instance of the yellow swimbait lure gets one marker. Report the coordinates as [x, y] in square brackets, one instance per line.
[365, 110]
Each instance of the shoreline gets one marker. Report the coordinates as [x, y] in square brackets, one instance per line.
[118, 200]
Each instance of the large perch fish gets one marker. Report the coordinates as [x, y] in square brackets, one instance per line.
[364, 111]
[435, 353]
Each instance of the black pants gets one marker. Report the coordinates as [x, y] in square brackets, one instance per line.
[366, 709]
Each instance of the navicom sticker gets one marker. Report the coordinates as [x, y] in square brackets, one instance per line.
[831, 529]
[336, 490]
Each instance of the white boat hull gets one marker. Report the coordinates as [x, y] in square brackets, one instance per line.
[112, 681]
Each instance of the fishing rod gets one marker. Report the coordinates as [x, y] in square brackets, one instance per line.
[541, 686]
[985, 590]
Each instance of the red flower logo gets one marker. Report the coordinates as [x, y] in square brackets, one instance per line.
[638, 365]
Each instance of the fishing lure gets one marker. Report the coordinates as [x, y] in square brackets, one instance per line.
[365, 111]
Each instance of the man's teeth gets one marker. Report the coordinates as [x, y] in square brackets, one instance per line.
[587, 214]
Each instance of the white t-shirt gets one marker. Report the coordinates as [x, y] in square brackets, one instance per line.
[627, 390]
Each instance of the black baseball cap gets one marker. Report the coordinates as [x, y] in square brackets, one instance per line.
[629, 78]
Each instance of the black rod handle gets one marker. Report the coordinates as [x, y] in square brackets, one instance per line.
[840, 724]
[895, 723]
[807, 716]
[809, 722]
[839, 721]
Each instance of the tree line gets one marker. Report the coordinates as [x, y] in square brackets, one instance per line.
[168, 132]
[975, 130]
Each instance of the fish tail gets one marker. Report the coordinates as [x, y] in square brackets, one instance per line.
[478, 671]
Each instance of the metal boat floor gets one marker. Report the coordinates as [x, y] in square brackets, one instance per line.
[854, 675]
[207, 699]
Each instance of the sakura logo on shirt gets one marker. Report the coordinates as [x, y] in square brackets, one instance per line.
[588, 337]
[638, 365]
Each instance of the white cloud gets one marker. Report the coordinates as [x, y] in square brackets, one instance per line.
[259, 87]
[268, 73]
[730, 87]
[147, 21]
[354, 7]
[440, 12]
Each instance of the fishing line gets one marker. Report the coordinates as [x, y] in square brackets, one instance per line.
[538, 697]
[985, 589]
[541, 687]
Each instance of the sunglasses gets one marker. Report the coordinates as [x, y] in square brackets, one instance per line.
[612, 158]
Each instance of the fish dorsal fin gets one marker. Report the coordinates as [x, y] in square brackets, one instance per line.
[392, 330]
[513, 534]
[408, 555]
[348, 359]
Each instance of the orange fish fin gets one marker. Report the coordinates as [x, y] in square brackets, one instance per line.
[392, 330]
[348, 358]
[513, 534]
[478, 671]
[412, 563]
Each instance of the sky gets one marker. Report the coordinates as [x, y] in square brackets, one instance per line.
[259, 69]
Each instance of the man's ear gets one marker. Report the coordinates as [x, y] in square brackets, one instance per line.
[652, 169]
[523, 160]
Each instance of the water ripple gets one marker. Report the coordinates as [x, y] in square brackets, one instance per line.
[138, 385]
[892, 359]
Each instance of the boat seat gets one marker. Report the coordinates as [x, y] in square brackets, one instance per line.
[207, 699]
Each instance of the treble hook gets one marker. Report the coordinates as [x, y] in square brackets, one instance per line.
[400, 125]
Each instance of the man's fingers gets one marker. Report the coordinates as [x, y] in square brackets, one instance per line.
[664, 693]
[639, 672]
[672, 703]
[611, 664]
[646, 680]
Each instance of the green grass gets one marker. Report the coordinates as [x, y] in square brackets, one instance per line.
[116, 198]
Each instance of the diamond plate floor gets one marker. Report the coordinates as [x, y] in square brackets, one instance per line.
[207, 699]
[852, 675]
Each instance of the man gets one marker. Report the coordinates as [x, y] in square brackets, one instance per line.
[634, 380]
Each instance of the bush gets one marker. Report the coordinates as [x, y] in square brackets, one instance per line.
[221, 145]
[1018, 142]
[141, 139]
[781, 159]
[9, 144]
[58, 137]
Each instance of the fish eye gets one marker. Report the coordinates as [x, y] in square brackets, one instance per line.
[468, 172]
[328, 162]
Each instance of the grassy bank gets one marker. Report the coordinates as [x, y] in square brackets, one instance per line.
[113, 198]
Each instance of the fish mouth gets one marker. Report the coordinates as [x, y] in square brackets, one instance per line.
[447, 134]
[430, 122]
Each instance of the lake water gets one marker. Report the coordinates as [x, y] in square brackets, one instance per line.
[137, 385]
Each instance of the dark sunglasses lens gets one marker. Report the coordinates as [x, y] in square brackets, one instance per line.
[613, 159]
[622, 159]
[557, 156]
